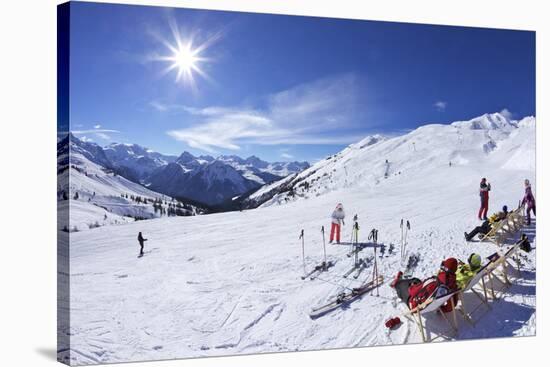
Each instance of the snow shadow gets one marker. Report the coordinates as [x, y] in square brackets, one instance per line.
[505, 319]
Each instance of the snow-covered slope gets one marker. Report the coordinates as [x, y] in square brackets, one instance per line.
[96, 195]
[229, 283]
[490, 140]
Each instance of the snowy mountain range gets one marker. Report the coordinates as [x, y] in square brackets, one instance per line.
[377, 158]
[202, 179]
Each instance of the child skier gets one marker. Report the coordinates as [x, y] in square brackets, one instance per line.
[338, 216]
[484, 188]
[529, 200]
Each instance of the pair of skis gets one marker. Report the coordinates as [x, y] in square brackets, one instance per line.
[324, 266]
[357, 268]
[345, 298]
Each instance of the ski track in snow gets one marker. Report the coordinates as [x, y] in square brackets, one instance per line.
[229, 283]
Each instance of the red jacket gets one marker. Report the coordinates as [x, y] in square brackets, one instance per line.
[449, 279]
[420, 292]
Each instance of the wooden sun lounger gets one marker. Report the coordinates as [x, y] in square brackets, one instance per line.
[433, 304]
[499, 271]
[497, 234]
[478, 287]
[513, 222]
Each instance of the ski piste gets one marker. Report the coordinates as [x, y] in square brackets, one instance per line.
[345, 298]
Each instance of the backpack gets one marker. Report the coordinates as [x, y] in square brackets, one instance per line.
[421, 292]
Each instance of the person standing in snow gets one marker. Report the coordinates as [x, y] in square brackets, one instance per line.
[141, 241]
[529, 200]
[484, 188]
[338, 216]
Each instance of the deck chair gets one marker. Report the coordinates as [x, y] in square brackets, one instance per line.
[433, 304]
[516, 218]
[500, 269]
[497, 234]
[478, 287]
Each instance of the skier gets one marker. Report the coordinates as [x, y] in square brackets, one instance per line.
[141, 241]
[486, 226]
[466, 272]
[414, 291]
[484, 188]
[338, 216]
[529, 199]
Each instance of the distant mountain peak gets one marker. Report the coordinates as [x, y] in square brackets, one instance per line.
[185, 157]
[488, 121]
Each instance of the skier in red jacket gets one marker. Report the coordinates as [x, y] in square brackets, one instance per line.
[484, 188]
[414, 292]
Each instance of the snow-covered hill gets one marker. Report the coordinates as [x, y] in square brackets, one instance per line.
[96, 195]
[491, 140]
[229, 283]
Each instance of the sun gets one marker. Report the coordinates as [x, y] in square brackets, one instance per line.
[186, 56]
[185, 60]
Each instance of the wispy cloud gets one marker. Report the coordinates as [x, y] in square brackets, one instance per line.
[506, 113]
[287, 156]
[440, 106]
[321, 112]
[96, 131]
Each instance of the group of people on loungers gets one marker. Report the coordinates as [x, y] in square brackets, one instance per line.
[454, 274]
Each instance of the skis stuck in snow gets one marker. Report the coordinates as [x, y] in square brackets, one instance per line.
[324, 266]
[345, 298]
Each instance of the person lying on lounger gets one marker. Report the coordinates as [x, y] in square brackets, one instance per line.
[414, 291]
[487, 225]
[466, 271]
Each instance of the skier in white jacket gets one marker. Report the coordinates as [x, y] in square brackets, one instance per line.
[338, 216]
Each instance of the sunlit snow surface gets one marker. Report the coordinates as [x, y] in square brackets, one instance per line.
[229, 283]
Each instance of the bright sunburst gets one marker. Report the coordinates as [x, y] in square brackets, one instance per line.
[185, 58]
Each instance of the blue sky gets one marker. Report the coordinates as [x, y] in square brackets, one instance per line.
[283, 87]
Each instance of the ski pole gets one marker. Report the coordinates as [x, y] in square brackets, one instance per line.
[401, 225]
[356, 243]
[303, 249]
[376, 261]
[324, 247]
[407, 228]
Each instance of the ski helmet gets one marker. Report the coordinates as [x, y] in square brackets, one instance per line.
[474, 261]
[449, 265]
[505, 208]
